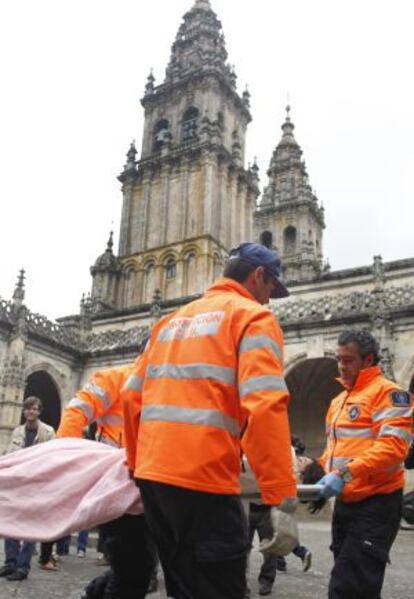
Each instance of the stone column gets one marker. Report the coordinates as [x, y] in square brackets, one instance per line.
[12, 381]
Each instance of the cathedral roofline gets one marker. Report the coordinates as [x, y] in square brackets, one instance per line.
[141, 309]
[68, 339]
[355, 272]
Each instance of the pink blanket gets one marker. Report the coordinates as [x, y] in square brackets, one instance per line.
[52, 489]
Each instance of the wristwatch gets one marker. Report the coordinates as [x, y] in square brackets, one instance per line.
[345, 474]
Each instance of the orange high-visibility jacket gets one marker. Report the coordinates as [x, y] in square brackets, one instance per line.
[369, 431]
[211, 373]
[99, 401]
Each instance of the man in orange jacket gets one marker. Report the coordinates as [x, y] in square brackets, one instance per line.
[368, 436]
[129, 545]
[210, 385]
[99, 402]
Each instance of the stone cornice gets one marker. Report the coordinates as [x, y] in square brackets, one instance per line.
[194, 151]
[292, 204]
[165, 91]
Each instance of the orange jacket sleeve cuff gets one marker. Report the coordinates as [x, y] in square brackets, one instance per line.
[273, 495]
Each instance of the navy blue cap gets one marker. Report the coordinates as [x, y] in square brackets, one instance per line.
[259, 255]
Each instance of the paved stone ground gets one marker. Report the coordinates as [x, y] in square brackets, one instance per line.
[75, 572]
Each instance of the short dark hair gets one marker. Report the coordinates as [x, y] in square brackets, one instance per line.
[239, 269]
[365, 341]
[298, 445]
[31, 401]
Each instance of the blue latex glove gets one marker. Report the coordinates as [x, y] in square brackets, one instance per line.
[331, 485]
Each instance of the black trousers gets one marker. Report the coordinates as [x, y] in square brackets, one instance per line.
[362, 536]
[259, 520]
[131, 551]
[46, 550]
[201, 540]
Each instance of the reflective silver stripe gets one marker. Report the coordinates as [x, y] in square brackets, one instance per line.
[336, 462]
[392, 413]
[223, 374]
[106, 401]
[262, 383]
[394, 431]
[259, 341]
[86, 408]
[134, 383]
[395, 468]
[111, 419]
[358, 433]
[213, 418]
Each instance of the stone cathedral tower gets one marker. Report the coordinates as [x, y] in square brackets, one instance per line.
[188, 198]
[289, 216]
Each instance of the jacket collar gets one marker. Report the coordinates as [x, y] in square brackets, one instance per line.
[365, 376]
[226, 285]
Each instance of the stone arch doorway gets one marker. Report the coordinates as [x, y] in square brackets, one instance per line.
[41, 384]
[312, 385]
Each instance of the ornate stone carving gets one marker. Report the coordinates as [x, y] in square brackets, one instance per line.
[115, 339]
[378, 272]
[13, 372]
[156, 306]
[386, 363]
[18, 294]
[6, 311]
[357, 302]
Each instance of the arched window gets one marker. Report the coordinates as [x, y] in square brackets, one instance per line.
[161, 134]
[170, 282]
[289, 238]
[170, 269]
[266, 239]
[190, 124]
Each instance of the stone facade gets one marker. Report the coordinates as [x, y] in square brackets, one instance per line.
[186, 201]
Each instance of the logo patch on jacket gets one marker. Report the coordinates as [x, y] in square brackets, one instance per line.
[354, 412]
[201, 325]
[400, 398]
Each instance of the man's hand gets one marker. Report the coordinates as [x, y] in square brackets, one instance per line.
[331, 484]
[285, 530]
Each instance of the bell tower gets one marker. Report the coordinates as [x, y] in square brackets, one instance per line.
[289, 216]
[188, 199]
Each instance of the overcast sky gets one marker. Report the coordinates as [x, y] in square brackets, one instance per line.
[73, 72]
